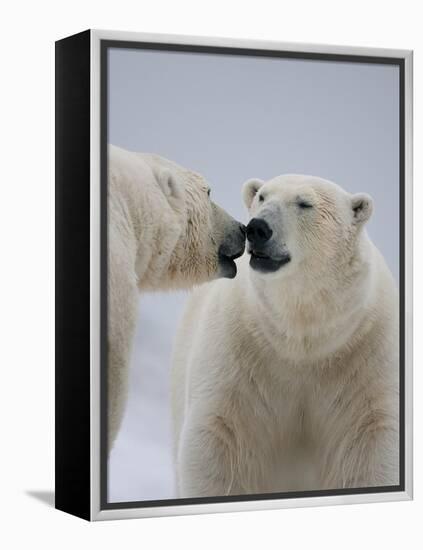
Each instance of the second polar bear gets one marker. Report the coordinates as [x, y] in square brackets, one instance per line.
[286, 378]
[164, 233]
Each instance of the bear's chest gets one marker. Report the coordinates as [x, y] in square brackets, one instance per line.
[300, 402]
[298, 427]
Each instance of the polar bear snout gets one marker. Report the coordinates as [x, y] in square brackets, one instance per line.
[266, 255]
[232, 247]
[258, 232]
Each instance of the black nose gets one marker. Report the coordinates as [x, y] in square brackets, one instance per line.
[258, 231]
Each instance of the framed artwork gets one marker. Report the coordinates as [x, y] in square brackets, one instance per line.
[233, 275]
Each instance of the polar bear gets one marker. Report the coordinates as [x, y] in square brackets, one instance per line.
[164, 233]
[286, 378]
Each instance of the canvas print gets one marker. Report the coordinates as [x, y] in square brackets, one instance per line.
[253, 274]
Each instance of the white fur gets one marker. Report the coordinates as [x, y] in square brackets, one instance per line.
[163, 233]
[288, 381]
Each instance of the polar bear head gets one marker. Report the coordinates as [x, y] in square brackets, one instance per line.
[203, 239]
[303, 225]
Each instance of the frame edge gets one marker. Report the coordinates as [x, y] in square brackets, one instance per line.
[72, 386]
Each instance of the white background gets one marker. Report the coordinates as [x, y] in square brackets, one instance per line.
[28, 30]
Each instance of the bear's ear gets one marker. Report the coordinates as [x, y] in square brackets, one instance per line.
[362, 207]
[170, 185]
[250, 189]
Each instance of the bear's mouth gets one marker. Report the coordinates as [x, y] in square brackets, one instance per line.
[227, 264]
[265, 263]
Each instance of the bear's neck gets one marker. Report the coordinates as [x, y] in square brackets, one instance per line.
[311, 319]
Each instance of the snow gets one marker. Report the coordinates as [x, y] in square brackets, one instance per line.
[140, 464]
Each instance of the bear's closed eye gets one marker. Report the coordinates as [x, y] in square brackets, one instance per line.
[304, 204]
